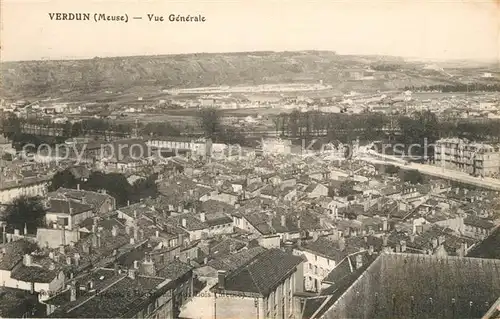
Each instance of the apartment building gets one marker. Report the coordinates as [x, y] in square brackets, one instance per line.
[476, 159]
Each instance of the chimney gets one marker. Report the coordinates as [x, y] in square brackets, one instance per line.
[86, 248]
[116, 269]
[403, 246]
[16, 232]
[127, 230]
[180, 240]
[342, 243]
[315, 236]
[222, 279]
[62, 249]
[157, 233]
[398, 248]
[149, 266]
[202, 218]
[136, 264]
[132, 241]
[94, 240]
[135, 214]
[114, 231]
[77, 186]
[51, 255]
[205, 260]
[72, 293]
[359, 261]
[385, 238]
[412, 238]
[385, 225]
[283, 221]
[365, 239]
[68, 261]
[27, 260]
[184, 222]
[370, 250]
[298, 223]
[131, 273]
[135, 233]
[77, 259]
[441, 240]
[434, 243]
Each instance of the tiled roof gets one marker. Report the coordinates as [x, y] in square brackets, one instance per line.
[488, 248]
[192, 221]
[174, 270]
[325, 248]
[69, 207]
[34, 274]
[15, 302]
[121, 296]
[264, 273]
[14, 252]
[234, 261]
[478, 222]
[215, 206]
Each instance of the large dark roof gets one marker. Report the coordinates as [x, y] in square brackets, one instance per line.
[264, 273]
[68, 207]
[174, 270]
[488, 248]
[325, 248]
[421, 286]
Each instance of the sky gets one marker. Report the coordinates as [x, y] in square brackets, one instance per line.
[432, 29]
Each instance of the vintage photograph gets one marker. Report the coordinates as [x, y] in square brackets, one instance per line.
[255, 159]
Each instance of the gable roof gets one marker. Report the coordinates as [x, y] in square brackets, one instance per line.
[263, 274]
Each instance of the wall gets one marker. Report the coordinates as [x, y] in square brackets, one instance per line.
[9, 194]
[316, 268]
[220, 229]
[270, 241]
[52, 238]
[231, 307]
[43, 288]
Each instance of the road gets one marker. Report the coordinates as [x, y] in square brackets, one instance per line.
[486, 182]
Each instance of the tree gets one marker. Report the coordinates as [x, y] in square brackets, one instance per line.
[64, 179]
[76, 129]
[23, 211]
[115, 184]
[412, 176]
[210, 123]
[346, 188]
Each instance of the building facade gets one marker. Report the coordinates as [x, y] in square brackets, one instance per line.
[476, 159]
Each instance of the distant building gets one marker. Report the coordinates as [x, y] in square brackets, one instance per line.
[276, 146]
[34, 186]
[477, 159]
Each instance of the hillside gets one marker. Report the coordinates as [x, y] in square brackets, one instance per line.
[29, 79]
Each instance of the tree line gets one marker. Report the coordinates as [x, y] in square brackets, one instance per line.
[114, 184]
[409, 129]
